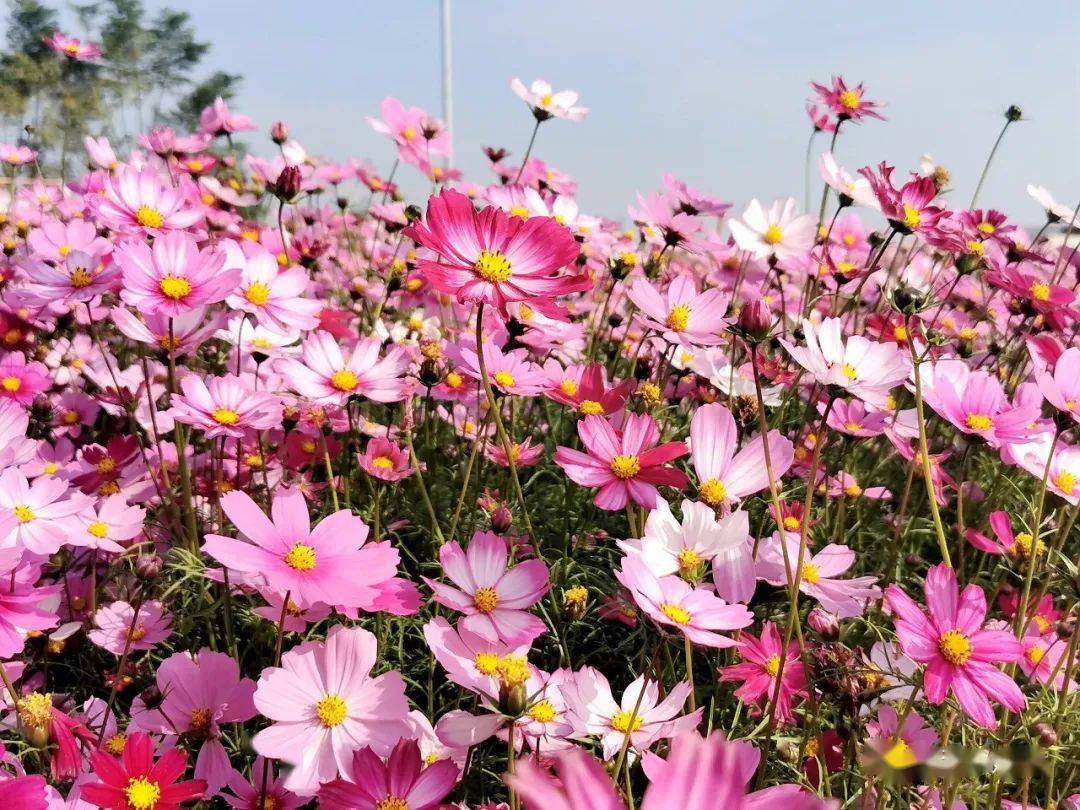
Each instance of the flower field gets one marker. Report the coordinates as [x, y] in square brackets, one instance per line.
[316, 494]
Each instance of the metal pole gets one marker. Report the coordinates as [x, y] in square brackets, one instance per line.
[447, 78]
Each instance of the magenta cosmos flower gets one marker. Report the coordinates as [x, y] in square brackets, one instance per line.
[975, 403]
[677, 606]
[217, 119]
[73, 48]
[402, 782]
[846, 103]
[174, 276]
[584, 388]
[959, 655]
[625, 466]
[492, 257]
[228, 406]
[495, 599]
[909, 208]
[324, 705]
[384, 460]
[326, 376]
[139, 201]
[724, 475]
[21, 381]
[329, 564]
[760, 667]
[682, 314]
[134, 781]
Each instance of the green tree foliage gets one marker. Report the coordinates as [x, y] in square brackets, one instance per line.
[146, 78]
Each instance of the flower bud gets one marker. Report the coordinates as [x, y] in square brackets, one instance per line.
[495, 154]
[429, 373]
[1045, 734]
[148, 567]
[1013, 113]
[287, 185]
[279, 132]
[575, 602]
[824, 623]
[755, 320]
[501, 520]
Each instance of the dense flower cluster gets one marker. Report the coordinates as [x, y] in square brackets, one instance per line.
[484, 501]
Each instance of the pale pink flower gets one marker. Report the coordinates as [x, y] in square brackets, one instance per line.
[682, 314]
[545, 103]
[104, 527]
[272, 295]
[43, 511]
[327, 376]
[227, 406]
[324, 705]
[139, 201]
[1061, 386]
[117, 627]
[779, 232]
[216, 119]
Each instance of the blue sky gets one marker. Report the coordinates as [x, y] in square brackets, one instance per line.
[712, 91]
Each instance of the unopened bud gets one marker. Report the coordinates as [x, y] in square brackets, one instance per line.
[755, 320]
[501, 520]
[148, 567]
[1045, 734]
[279, 132]
[824, 623]
[287, 185]
[1013, 113]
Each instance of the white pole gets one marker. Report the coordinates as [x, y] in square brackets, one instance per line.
[447, 77]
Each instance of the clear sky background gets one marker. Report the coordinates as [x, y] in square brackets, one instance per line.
[711, 90]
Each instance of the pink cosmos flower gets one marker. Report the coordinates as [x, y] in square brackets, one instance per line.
[959, 655]
[100, 153]
[117, 627]
[593, 711]
[73, 48]
[494, 258]
[509, 372]
[24, 606]
[523, 454]
[687, 548]
[909, 209]
[218, 120]
[54, 239]
[201, 693]
[181, 335]
[174, 276]
[900, 746]
[44, 511]
[250, 794]
[853, 418]
[324, 705]
[20, 381]
[139, 201]
[1021, 544]
[724, 475]
[866, 369]
[760, 667]
[409, 127]
[27, 792]
[296, 618]
[384, 460]
[269, 293]
[472, 661]
[1061, 386]
[840, 180]
[846, 103]
[108, 524]
[1044, 661]
[402, 781]
[625, 465]
[227, 406]
[495, 599]
[820, 575]
[78, 278]
[326, 376]
[63, 734]
[584, 388]
[1063, 471]
[663, 222]
[682, 314]
[674, 604]
[16, 155]
[779, 232]
[331, 563]
[548, 104]
[1037, 294]
[975, 403]
[134, 780]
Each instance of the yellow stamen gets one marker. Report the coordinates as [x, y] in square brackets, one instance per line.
[142, 794]
[979, 421]
[24, 513]
[542, 711]
[590, 407]
[11, 384]
[900, 756]
[772, 665]
[149, 217]
[676, 613]
[955, 647]
[713, 492]
[773, 235]
[224, 416]
[175, 287]
[257, 293]
[626, 722]
[492, 266]
[300, 557]
[678, 318]
[98, 529]
[344, 380]
[486, 599]
[331, 711]
[626, 466]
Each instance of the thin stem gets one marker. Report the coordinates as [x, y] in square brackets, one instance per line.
[924, 452]
[989, 160]
[528, 151]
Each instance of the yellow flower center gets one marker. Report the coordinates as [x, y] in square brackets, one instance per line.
[519, 211]
[676, 613]
[576, 595]
[568, 387]
[810, 573]
[979, 421]
[900, 756]
[149, 217]
[391, 803]
[486, 599]
[331, 711]
[257, 293]
[115, 744]
[513, 670]
[955, 647]
[852, 427]
[142, 794]
[625, 466]
[1040, 291]
[912, 217]
[70, 417]
[986, 227]
[493, 267]
[408, 133]
[505, 379]
[98, 529]
[1035, 655]
[24, 513]
[11, 384]
[772, 666]
[200, 720]
[590, 407]
[454, 380]
[849, 371]
[850, 100]
[1066, 482]
[626, 722]
[80, 277]
[791, 523]
[106, 465]
[900, 333]
[713, 492]
[486, 663]
[301, 557]
[175, 287]
[542, 711]
[773, 235]
[137, 633]
[678, 318]
[383, 462]
[853, 490]
[688, 560]
[36, 710]
[224, 416]
[1024, 543]
[344, 380]
[51, 468]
